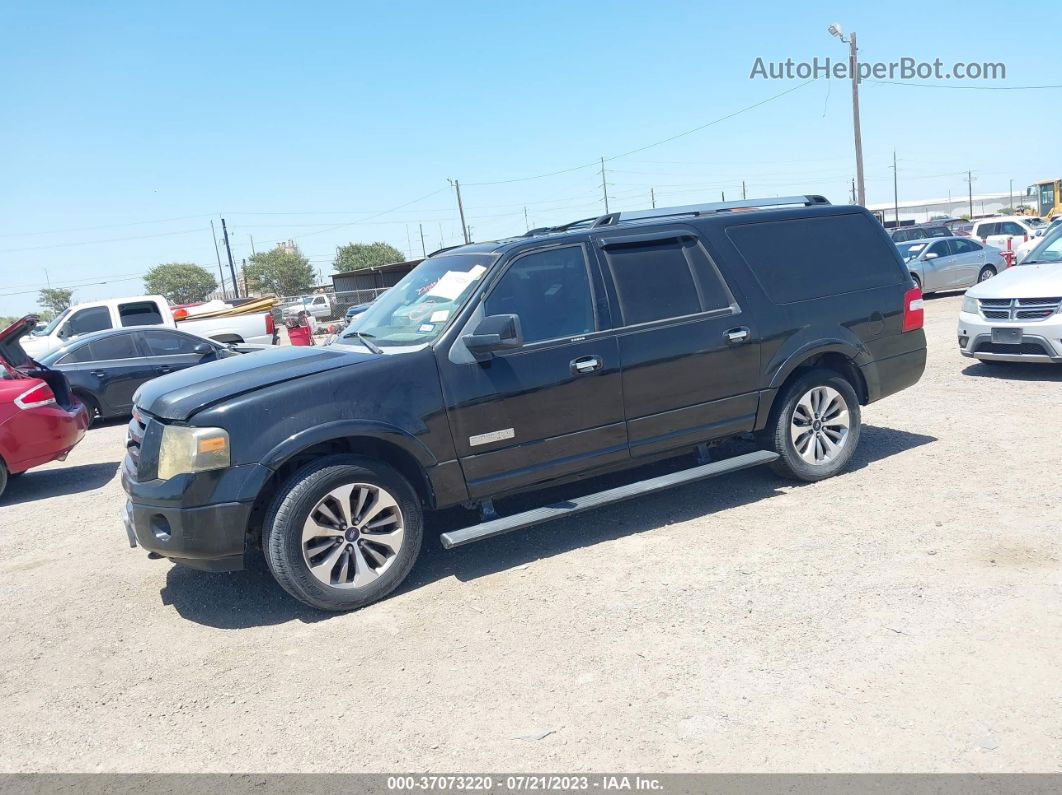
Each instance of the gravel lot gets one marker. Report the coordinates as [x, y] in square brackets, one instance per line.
[904, 616]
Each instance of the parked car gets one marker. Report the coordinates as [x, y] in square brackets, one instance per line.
[320, 306]
[1008, 231]
[558, 355]
[1017, 317]
[105, 368]
[357, 311]
[40, 419]
[951, 263]
[906, 233]
[148, 310]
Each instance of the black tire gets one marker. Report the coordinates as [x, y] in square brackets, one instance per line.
[3, 477]
[779, 431]
[92, 406]
[282, 542]
[918, 284]
[987, 272]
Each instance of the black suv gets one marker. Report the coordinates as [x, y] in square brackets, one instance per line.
[495, 368]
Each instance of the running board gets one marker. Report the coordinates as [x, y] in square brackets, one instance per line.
[518, 521]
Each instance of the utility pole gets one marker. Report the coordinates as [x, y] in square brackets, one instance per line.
[652, 197]
[232, 265]
[423, 248]
[743, 195]
[526, 222]
[853, 191]
[409, 243]
[253, 252]
[604, 189]
[969, 182]
[217, 252]
[853, 69]
[895, 192]
[722, 195]
[460, 208]
[1010, 198]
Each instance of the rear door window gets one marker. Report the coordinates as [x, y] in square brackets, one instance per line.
[140, 313]
[805, 258]
[159, 343]
[117, 346]
[663, 278]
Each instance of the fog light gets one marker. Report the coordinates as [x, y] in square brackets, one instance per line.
[963, 341]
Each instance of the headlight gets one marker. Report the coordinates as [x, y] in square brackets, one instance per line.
[970, 305]
[192, 450]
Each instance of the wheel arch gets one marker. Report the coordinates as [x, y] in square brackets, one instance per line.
[841, 358]
[396, 449]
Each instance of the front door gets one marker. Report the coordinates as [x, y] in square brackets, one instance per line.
[552, 407]
[690, 352]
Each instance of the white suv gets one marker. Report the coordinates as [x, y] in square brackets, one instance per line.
[1017, 229]
[1017, 316]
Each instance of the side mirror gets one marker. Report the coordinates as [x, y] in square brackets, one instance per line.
[203, 348]
[495, 333]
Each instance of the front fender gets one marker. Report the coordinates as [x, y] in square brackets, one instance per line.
[345, 429]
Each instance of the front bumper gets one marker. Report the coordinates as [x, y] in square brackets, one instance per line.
[1040, 340]
[200, 520]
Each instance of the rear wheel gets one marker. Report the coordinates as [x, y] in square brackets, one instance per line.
[342, 533]
[92, 406]
[3, 477]
[987, 272]
[816, 429]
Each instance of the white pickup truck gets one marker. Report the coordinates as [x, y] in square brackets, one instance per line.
[147, 310]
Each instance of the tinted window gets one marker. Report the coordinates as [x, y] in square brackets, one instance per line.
[660, 279]
[964, 246]
[82, 353]
[117, 346]
[550, 291]
[141, 313]
[940, 248]
[807, 258]
[85, 321]
[984, 230]
[1011, 228]
[160, 343]
[938, 231]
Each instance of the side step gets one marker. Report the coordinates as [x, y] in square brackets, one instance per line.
[518, 521]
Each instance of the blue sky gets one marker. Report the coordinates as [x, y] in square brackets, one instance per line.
[126, 127]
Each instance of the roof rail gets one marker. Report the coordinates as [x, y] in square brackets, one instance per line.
[706, 209]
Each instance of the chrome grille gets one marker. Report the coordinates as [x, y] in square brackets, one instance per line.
[1019, 308]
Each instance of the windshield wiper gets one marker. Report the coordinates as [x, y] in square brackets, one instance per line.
[366, 340]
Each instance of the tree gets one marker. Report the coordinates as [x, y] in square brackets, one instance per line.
[282, 271]
[55, 299]
[355, 256]
[180, 282]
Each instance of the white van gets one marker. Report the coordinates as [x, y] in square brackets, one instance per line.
[1016, 229]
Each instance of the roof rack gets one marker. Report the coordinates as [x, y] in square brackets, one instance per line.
[707, 209]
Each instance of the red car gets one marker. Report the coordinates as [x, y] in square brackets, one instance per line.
[40, 419]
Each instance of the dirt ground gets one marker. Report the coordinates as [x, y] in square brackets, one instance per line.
[904, 616]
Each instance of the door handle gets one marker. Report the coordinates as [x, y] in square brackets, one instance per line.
[736, 335]
[99, 373]
[163, 369]
[586, 364]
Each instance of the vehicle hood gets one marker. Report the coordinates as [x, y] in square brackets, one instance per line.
[1022, 281]
[11, 350]
[179, 395]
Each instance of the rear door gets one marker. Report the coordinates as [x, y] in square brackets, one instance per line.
[110, 368]
[970, 256]
[552, 407]
[690, 351]
[168, 351]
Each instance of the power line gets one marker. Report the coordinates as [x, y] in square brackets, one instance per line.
[104, 226]
[94, 242]
[964, 88]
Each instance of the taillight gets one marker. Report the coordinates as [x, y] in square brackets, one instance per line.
[269, 323]
[913, 313]
[40, 395]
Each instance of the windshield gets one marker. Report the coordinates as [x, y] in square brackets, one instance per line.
[417, 309]
[1049, 250]
[47, 330]
[1035, 223]
[908, 251]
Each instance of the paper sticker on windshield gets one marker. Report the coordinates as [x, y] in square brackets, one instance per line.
[453, 283]
[426, 328]
[440, 316]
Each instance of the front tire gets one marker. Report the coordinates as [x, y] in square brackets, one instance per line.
[816, 429]
[342, 532]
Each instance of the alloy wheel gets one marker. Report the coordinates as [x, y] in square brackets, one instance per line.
[820, 425]
[352, 536]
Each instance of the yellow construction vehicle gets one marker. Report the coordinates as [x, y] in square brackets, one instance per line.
[1045, 198]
